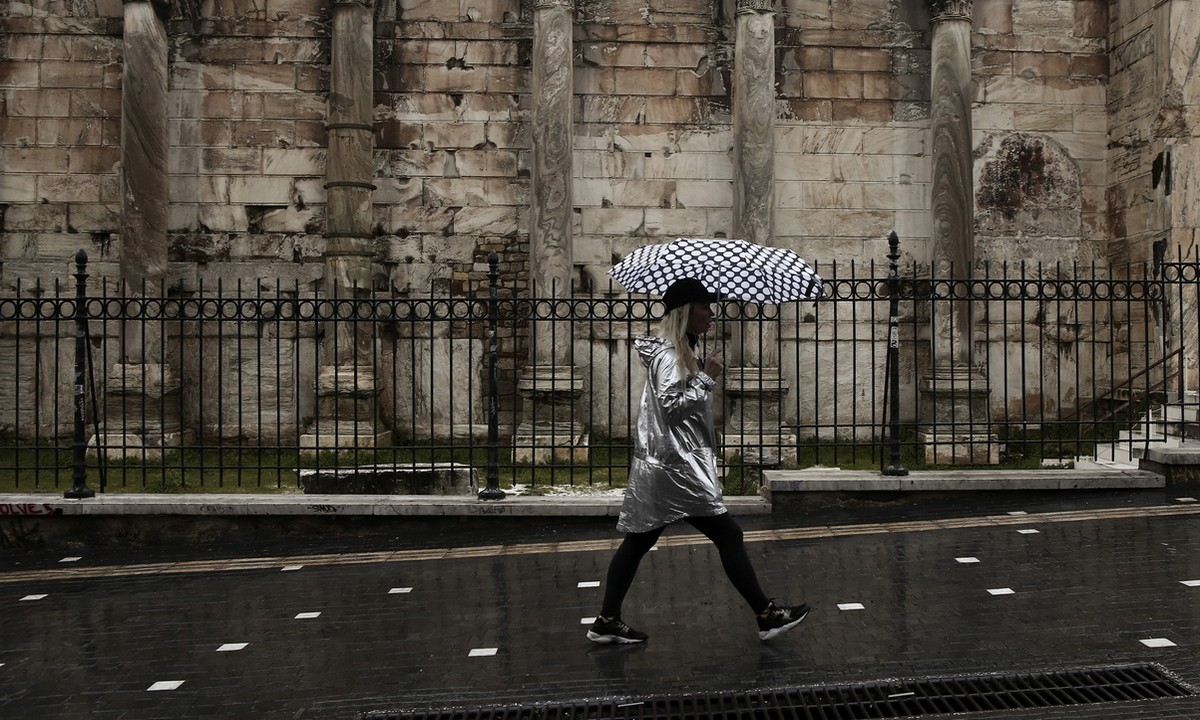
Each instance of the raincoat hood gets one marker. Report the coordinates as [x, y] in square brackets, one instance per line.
[651, 347]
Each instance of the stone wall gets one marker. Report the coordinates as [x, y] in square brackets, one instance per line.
[1151, 197]
[1075, 102]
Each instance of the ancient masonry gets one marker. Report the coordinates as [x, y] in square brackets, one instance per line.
[347, 147]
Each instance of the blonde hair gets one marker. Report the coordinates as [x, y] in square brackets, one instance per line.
[673, 327]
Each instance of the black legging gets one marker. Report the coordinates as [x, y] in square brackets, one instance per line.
[725, 533]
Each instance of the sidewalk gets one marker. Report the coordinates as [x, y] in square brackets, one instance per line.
[474, 613]
[138, 518]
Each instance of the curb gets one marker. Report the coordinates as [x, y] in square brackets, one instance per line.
[242, 505]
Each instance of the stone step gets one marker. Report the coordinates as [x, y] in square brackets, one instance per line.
[835, 480]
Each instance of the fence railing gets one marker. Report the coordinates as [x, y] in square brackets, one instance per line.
[243, 385]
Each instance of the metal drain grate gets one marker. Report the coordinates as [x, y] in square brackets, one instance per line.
[854, 701]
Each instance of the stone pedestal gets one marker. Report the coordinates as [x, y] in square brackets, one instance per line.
[141, 414]
[752, 421]
[550, 430]
[954, 419]
[347, 401]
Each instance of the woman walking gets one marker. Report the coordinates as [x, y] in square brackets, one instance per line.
[673, 475]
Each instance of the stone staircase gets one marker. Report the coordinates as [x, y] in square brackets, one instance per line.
[1172, 424]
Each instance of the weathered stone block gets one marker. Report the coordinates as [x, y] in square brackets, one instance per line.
[222, 161]
[289, 106]
[263, 133]
[183, 218]
[1091, 19]
[98, 160]
[440, 10]
[1075, 91]
[417, 219]
[34, 160]
[833, 85]
[259, 190]
[706, 84]
[611, 221]
[487, 163]
[861, 60]
[223, 218]
[646, 81]
[18, 188]
[94, 217]
[1013, 89]
[992, 16]
[611, 109]
[674, 111]
[22, 102]
[703, 194]
[95, 103]
[1042, 119]
[675, 222]
[291, 220]
[294, 162]
[486, 221]
[41, 217]
[396, 191]
[18, 73]
[675, 55]
[69, 188]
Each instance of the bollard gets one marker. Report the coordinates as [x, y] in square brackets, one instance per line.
[492, 491]
[893, 357]
[79, 446]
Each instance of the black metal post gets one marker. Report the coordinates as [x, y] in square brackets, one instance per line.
[493, 491]
[79, 446]
[893, 357]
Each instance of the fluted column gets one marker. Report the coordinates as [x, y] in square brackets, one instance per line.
[754, 384]
[550, 385]
[955, 398]
[141, 390]
[346, 383]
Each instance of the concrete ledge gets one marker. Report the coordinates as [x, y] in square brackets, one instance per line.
[1188, 455]
[241, 505]
[1179, 465]
[835, 480]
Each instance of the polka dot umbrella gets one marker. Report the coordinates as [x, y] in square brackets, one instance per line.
[736, 269]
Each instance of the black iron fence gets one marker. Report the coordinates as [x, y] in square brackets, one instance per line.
[247, 384]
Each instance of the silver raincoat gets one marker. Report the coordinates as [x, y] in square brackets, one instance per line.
[673, 474]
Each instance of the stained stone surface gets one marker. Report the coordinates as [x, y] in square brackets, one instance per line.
[1109, 86]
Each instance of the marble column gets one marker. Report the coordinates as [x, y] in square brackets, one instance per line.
[753, 382]
[953, 206]
[347, 391]
[955, 398]
[550, 385]
[142, 392]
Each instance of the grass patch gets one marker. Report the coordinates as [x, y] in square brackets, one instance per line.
[267, 470]
[259, 470]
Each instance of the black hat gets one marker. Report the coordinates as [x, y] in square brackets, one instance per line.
[685, 291]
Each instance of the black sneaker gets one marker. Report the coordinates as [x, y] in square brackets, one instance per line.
[614, 631]
[781, 619]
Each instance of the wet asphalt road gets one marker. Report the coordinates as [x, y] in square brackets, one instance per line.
[473, 613]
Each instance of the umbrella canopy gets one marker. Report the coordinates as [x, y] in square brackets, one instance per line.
[734, 268]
